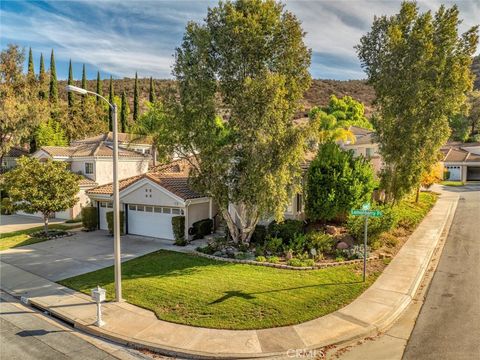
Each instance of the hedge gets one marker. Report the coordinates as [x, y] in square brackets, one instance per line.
[110, 222]
[178, 226]
[90, 218]
[201, 228]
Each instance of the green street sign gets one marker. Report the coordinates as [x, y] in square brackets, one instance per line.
[374, 213]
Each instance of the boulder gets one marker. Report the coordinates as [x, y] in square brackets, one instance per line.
[331, 230]
[342, 245]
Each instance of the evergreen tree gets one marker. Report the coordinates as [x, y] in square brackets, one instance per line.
[42, 77]
[70, 94]
[111, 97]
[84, 86]
[31, 69]
[99, 87]
[151, 96]
[123, 113]
[53, 94]
[135, 99]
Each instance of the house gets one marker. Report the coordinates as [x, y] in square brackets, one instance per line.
[140, 144]
[9, 160]
[150, 200]
[94, 162]
[462, 161]
[365, 144]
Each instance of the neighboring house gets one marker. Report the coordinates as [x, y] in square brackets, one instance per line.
[150, 200]
[94, 162]
[365, 144]
[462, 161]
[9, 161]
[141, 144]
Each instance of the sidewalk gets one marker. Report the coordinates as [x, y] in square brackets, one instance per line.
[373, 311]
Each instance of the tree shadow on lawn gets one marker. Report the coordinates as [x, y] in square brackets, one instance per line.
[250, 296]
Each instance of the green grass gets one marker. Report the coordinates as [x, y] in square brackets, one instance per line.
[22, 237]
[452, 183]
[196, 291]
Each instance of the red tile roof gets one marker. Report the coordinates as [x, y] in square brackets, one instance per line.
[89, 149]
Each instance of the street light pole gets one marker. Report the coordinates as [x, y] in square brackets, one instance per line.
[116, 197]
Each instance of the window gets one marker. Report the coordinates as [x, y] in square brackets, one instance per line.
[132, 207]
[102, 204]
[176, 211]
[166, 210]
[369, 152]
[88, 168]
[140, 208]
[110, 205]
[299, 203]
[157, 209]
[148, 208]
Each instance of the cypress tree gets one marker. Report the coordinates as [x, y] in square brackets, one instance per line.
[135, 99]
[31, 69]
[84, 86]
[123, 113]
[41, 78]
[70, 82]
[53, 94]
[99, 87]
[110, 100]
[151, 96]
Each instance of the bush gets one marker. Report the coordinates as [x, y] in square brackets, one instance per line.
[261, 259]
[110, 222]
[355, 252]
[376, 225]
[321, 242]
[301, 263]
[259, 235]
[297, 245]
[286, 230]
[90, 218]
[201, 228]
[7, 207]
[273, 259]
[178, 226]
[273, 244]
[389, 240]
[336, 182]
[74, 221]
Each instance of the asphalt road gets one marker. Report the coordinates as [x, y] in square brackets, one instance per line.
[448, 326]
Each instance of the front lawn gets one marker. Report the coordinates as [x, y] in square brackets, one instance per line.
[452, 183]
[22, 237]
[196, 291]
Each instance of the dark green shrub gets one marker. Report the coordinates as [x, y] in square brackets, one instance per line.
[90, 218]
[273, 245]
[286, 230]
[376, 225]
[7, 207]
[336, 182]
[259, 235]
[201, 228]
[178, 226]
[298, 244]
[110, 222]
[321, 242]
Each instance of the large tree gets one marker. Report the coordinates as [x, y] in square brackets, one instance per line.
[45, 187]
[151, 92]
[135, 100]
[237, 99]
[70, 95]
[419, 66]
[124, 112]
[99, 87]
[53, 92]
[111, 98]
[42, 79]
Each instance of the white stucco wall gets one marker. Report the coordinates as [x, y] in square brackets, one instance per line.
[197, 212]
[148, 194]
[103, 169]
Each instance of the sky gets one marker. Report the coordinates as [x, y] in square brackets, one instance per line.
[122, 37]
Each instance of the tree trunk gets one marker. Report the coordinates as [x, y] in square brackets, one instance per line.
[240, 233]
[45, 223]
[417, 196]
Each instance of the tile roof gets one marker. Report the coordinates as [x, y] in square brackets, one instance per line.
[16, 152]
[456, 152]
[359, 131]
[84, 181]
[172, 176]
[88, 149]
[122, 138]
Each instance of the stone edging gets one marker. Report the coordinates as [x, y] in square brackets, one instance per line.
[66, 234]
[283, 266]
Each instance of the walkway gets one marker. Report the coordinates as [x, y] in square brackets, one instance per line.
[374, 310]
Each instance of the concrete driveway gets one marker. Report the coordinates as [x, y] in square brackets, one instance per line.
[9, 223]
[81, 253]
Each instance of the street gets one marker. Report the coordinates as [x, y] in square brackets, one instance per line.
[448, 326]
[28, 335]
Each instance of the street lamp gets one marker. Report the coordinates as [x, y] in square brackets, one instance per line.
[116, 197]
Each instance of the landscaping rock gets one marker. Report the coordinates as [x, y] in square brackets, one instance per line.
[332, 230]
[217, 253]
[342, 245]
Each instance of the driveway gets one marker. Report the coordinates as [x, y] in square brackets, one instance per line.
[9, 223]
[81, 253]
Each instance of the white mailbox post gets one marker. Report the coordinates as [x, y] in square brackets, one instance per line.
[98, 295]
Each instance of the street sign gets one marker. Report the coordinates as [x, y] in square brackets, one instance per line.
[366, 206]
[374, 213]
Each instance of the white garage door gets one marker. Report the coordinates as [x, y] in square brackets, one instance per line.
[104, 208]
[455, 173]
[154, 221]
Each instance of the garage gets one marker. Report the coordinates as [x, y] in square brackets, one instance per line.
[473, 173]
[455, 173]
[103, 208]
[154, 221]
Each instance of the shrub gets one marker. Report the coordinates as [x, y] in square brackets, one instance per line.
[90, 218]
[339, 259]
[321, 242]
[7, 207]
[273, 244]
[261, 259]
[295, 262]
[376, 225]
[297, 245]
[74, 221]
[286, 230]
[178, 227]
[110, 222]
[355, 252]
[207, 249]
[389, 240]
[336, 182]
[201, 228]
[259, 235]
[273, 259]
